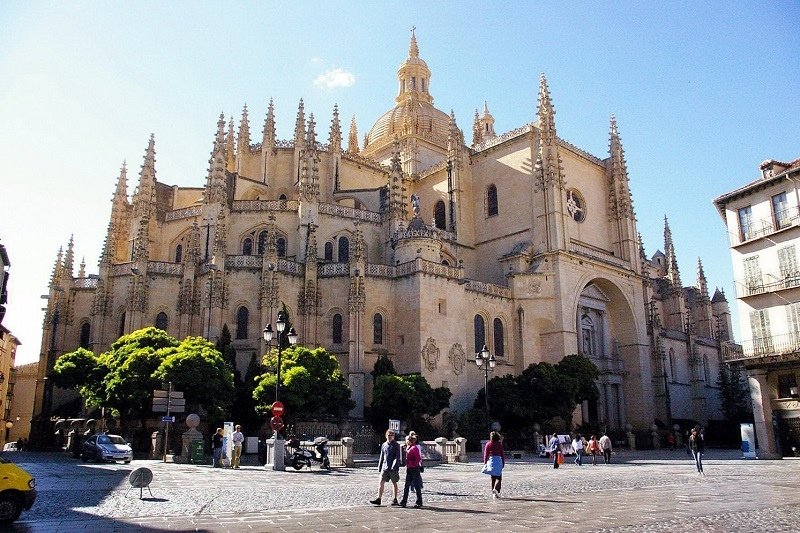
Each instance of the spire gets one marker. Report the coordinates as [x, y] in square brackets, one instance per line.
[477, 132]
[453, 136]
[69, 258]
[396, 205]
[414, 76]
[309, 175]
[230, 148]
[82, 268]
[702, 283]
[244, 133]
[268, 140]
[620, 200]
[673, 273]
[299, 125]
[216, 190]
[335, 138]
[55, 276]
[487, 123]
[642, 254]
[546, 113]
[145, 196]
[118, 219]
[352, 138]
[311, 133]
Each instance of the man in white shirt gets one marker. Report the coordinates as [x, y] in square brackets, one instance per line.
[577, 445]
[605, 445]
[238, 439]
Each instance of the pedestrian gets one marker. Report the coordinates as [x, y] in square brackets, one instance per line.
[688, 440]
[671, 441]
[554, 451]
[389, 466]
[698, 446]
[216, 448]
[21, 444]
[238, 439]
[577, 445]
[494, 459]
[413, 471]
[594, 449]
[605, 445]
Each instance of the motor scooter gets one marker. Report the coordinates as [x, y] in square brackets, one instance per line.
[299, 457]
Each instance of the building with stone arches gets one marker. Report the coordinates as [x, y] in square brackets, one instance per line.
[412, 244]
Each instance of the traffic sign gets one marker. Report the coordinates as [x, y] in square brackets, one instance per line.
[277, 409]
[163, 394]
[276, 423]
[174, 402]
[168, 419]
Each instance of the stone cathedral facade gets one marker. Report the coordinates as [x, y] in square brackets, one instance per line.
[412, 244]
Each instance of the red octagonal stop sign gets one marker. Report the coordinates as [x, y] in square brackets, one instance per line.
[277, 408]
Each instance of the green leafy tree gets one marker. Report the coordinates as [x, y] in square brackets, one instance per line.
[312, 384]
[199, 370]
[410, 398]
[81, 370]
[383, 366]
[734, 394]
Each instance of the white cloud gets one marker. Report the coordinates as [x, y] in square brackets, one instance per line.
[317, 60]
[333, 78]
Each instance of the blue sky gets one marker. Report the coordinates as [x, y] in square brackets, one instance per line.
[702, 92]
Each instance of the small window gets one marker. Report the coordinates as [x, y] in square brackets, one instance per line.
[162, 321]
[328, 251]
[491, 201]
[480, 333]
[179, 253]
[247, 246]
[262, 242]
[336, 332]
[121, 327]
[86, 329]
[282, 197]
[780, 211]
[344, 249]
[242, 320]
[745, 223]
[787, 386]
[673, 370]
[439, 215]
[280, 247]
[377, 329]
[576, 205]
[499, 340]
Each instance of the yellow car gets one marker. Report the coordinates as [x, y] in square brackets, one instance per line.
[17, 491]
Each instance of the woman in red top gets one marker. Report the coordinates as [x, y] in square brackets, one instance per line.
[413, 469]
[494, 459]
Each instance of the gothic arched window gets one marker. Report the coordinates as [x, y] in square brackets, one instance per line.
[86, 330]
[491, 201]
[439, 215]
[588, 336]
[280, 247]
[242, 319]
[480, 333]
[282, 197]
[121, 328]
[336, 328]
[328, 251]
[162, 321]
[178, 253]
[344, 249]
[499, 339]
[247, 246]
[673, 370]
[377, 329]
[262, 242]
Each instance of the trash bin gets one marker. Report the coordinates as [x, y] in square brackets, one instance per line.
[197, 451]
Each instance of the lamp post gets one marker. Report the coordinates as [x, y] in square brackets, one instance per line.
[212, 267]
[280, 326]
[486, 361]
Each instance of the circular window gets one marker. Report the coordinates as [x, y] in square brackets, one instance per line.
[576, 206]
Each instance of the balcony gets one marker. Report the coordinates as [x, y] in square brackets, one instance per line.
[767, 283]
[766, 226]
[764, 350]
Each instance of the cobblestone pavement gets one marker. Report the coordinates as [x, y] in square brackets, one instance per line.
[642, 491]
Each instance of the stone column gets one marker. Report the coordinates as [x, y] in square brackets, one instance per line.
[441, 448]
[762, 414]
[461, 442]
[347, 451]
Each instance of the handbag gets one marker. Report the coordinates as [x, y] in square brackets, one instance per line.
[486, 469]
[561, 458]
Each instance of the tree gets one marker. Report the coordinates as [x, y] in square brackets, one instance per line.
[383, 366]
[312, 384]
[198, 369]
[734, 394]
[80, 370]
[409, 398]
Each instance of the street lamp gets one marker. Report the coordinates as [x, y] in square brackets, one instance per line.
[212, 266]
[480, 358]
[280, 326]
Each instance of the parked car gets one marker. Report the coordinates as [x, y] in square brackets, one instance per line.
[17, 491]
[10, 447]
[104, 447]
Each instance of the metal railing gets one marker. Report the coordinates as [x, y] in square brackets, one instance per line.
[753, 286]
[765, 226]
[787, 344]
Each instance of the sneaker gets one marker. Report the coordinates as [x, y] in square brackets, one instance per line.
[395, 503]
[376, 501]
[402, 504]
[417, 505]
[494, 494]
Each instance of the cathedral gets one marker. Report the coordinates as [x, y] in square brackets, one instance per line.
[411, 244]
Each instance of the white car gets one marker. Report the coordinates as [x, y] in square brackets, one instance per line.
[104, 447]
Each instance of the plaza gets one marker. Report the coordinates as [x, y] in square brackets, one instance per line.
[640, 491]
